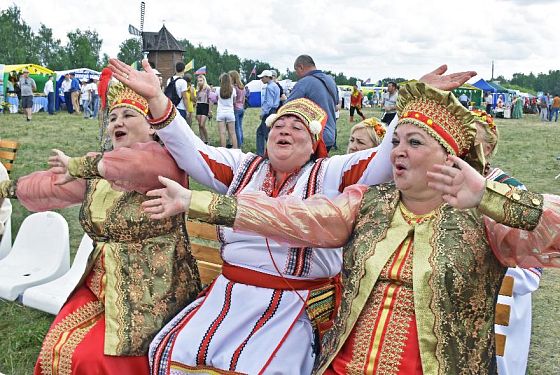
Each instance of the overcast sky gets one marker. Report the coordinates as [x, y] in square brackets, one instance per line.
[396, 38]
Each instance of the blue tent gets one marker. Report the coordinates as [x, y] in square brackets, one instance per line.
[484, 86]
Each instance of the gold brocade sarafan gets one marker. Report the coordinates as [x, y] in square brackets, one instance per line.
[151, 273]
[456, 279]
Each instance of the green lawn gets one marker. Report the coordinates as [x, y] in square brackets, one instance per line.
[528, 151]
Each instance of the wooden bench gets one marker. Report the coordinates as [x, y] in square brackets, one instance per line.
[8, 151]
[206, 249]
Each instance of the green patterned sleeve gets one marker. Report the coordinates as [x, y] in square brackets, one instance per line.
[511, 206]
[213, 208]
[85, 166]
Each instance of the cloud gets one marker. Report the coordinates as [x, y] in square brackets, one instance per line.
[364, 39]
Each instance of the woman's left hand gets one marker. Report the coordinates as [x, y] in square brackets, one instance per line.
[461, 185]
[58, 161]
[173, 199]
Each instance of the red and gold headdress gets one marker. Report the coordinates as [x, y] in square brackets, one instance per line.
[313, 116]
[114, 94]
[440, 114]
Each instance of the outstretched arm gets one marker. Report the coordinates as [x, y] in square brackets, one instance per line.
[134, 168]
[39, 191]
[316, 222]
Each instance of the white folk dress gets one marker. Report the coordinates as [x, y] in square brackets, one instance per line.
[241, 328]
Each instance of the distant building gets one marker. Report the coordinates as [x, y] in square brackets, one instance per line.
[163, 51]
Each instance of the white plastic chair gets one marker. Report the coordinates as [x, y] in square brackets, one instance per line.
[41, 253]
[6, 241]
[51, 296]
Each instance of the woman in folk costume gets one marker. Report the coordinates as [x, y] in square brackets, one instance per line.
[366, 134]
[141, 271]
[513, 309]
[267, 309]
[517, 107]
[420, 278]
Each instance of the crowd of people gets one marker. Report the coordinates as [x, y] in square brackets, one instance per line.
[388, 259]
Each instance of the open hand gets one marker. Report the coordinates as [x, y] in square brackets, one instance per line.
[58, 161]
[461, 185]
[446, 82]
[173, 199]
[144, 83]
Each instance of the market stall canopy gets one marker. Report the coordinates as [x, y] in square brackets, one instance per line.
[81, 73]
[33, 68]
[474, 93]
[484, 86]
[498, 87]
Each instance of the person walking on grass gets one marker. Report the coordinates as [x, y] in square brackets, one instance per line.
[27, 85]
[356, 100]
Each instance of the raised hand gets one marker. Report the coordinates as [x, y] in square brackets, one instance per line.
[173, 199]
[58, 161]
[461, 185]
[145, 83]
[446, 82]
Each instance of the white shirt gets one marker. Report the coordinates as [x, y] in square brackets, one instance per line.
[225, 106]
[48, 87]
[66, 84]
[5, 205]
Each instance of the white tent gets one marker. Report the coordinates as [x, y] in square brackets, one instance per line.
[81, 73]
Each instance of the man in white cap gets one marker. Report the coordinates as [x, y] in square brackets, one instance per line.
[27, 86]
[270, 101]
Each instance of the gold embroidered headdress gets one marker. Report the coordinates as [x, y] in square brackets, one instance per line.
[313, 116]
[114, 94]
[442, 116]
[120, 95]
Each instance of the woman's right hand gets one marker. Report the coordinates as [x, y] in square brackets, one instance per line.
[173, 199]
[58, 161]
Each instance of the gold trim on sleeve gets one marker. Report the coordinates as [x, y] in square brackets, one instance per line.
[213, 208]
[511, 206]
[85, 166]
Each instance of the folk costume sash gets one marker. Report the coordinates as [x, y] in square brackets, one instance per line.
[455, 276]
[324, 296]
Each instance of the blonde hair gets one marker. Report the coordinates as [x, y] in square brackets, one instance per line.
[370, 131]
[204, 83]
[226, 88]
[236, 79]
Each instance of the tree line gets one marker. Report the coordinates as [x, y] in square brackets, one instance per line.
[19, 44]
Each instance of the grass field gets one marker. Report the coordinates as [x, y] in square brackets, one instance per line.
[528, 151]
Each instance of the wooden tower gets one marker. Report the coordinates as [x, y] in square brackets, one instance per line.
[163, 51]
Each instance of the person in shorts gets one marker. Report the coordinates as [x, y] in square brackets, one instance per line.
[27, 86]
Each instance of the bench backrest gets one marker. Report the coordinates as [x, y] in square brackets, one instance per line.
[206, 249]
[8, 151]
